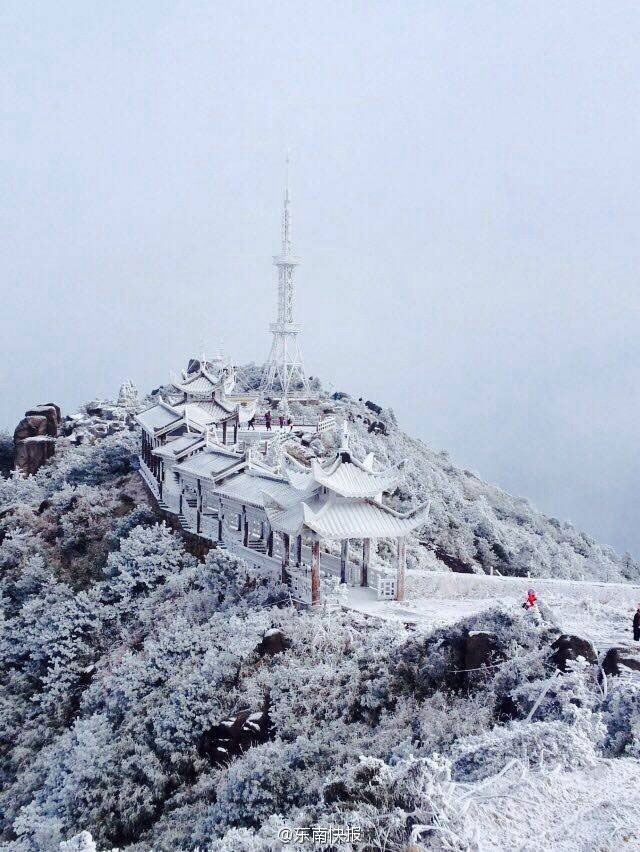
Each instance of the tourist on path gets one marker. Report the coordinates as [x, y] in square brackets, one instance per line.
[531, 600]
[252, 423]
[267, 421]
[636, 625]
[281, 420]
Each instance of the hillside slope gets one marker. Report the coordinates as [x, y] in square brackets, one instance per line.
[160, 701]
[475, 526]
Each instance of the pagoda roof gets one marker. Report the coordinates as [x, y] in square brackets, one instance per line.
[179, 446]
[351, 518]
[349, 477]
[158, 417]
[203, 383]
[203, 414]
[248, 486]
[210, 463]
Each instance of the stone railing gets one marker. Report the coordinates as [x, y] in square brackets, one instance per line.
[149, 478]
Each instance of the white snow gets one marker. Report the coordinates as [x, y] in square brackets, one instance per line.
[599, 612]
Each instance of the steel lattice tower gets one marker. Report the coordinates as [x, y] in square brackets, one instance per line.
[283, 374]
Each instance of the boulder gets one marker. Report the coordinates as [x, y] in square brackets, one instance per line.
[340, 395]
[32, 453]
[377, 409]
[235, 735]
[378, 427]
[616, 660]
[29, 427]
[52, 415]
[570, 648]
[273, 642]
[34, 438]
[480, 650]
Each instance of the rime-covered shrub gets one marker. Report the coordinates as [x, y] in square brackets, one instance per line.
[547, 744]
[622, 718]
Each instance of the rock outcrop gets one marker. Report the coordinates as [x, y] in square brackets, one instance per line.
[618, 660]
[569, 648]
[34, 438]
[235, 735]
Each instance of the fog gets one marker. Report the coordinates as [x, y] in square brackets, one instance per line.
[465, 182]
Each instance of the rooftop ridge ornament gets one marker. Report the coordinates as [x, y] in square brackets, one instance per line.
[283, 371]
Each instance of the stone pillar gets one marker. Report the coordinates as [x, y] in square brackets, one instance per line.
[344, 556]
[366, 559]
[299, 550]
[224, 432]
[270, 543]
[286, 545]
[245, 528]
[401, 569]
[315, 572]
[220, 520]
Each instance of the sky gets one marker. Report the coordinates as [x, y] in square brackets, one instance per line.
[466, 205]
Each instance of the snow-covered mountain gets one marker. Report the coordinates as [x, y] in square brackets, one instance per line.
[159, 701]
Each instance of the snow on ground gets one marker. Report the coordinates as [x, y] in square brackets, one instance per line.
[582, 609]
[579, 810]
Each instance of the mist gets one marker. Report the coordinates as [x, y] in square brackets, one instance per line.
[466, 206]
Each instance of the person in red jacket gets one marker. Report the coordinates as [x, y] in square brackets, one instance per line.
[531, 600]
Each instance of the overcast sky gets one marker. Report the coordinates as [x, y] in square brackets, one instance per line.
[466, 195]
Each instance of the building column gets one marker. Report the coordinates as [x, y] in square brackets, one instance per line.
[270, 542]
[299, 550]
[315, 572]
[245, 528]
[235, 432]
[224, 431]
[366, 559]
[220, 519]
[401, 568]
[344, 557]
[286, 545]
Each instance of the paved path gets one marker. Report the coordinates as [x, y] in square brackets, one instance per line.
[603, 627]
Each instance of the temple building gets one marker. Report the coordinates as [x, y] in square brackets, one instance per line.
[203, 457]
[283, 521]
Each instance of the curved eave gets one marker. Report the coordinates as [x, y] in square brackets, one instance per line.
[341, 519]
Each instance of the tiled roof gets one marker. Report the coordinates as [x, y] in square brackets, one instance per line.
[172, 449]
[157, 417]
[199, 384]
[350, 478]
[345, 518]
[208, 463]
[248, 487]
